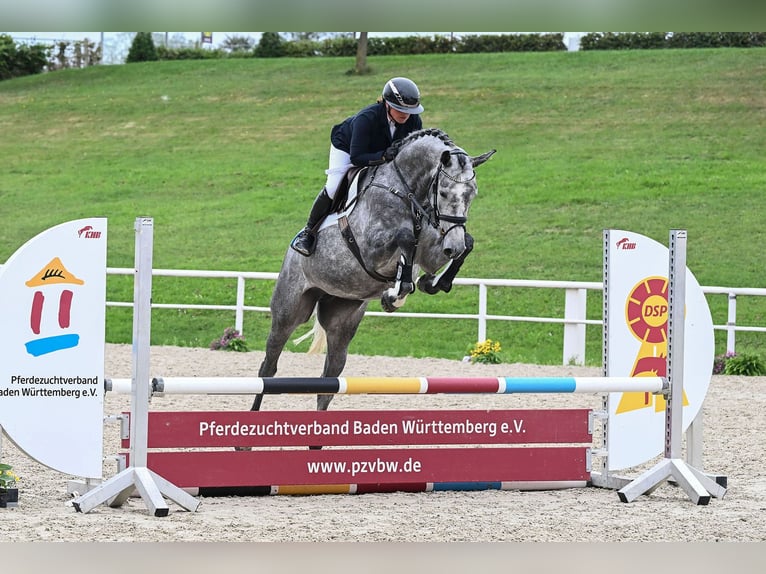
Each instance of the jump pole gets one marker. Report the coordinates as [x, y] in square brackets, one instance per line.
[698, 486]
[137, 476]
[389, 385]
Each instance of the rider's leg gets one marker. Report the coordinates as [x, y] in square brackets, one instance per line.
[305, 242]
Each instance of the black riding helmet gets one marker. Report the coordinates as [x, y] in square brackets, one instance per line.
[403, 95]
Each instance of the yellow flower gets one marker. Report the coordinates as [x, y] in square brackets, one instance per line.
[485, 352]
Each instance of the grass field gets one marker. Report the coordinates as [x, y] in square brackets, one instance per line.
[227, 155]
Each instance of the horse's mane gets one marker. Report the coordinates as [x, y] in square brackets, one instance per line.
[428, 132]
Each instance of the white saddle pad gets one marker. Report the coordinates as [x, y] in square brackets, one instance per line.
[333, 218]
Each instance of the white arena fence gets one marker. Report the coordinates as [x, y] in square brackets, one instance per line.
[575, 305]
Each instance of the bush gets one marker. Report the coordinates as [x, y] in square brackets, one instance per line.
[142, 49]
[164, 53]
[644, 40]
[231, 340]
[511, 43]
[301, 49]
[21, 60]
[742, 365]
[342, 47]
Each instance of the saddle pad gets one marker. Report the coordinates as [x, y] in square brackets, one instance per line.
[333, 218]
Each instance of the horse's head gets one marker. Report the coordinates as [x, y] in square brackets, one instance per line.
[436, 181]
[442, 182]
[453, 188]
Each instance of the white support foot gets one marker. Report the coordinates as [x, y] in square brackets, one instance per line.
[151, 486]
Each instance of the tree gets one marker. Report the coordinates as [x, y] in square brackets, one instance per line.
[238, 44]
[142, 49]
[271, 45]
[361, 55]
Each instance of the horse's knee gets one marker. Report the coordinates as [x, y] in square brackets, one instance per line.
[405, 239]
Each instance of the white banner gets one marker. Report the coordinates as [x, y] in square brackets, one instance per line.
[52, 304]
[636, 322]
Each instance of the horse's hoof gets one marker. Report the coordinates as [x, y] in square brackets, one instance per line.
[387, 304]
[425, 284]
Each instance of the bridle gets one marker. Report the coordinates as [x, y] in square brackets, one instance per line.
[429, 211]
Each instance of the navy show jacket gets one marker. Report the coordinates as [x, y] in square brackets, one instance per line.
[366, 135]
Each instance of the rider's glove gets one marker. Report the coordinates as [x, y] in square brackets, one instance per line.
[390, 153]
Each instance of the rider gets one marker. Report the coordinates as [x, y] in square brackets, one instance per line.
[361, 140]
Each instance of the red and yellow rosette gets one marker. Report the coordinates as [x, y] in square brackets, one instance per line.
[646, 314]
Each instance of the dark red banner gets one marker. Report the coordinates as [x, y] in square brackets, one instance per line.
[365, 428]
[362, 466]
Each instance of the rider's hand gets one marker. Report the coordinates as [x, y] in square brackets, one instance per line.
[390, 153]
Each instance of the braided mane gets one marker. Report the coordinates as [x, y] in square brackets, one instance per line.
[428, 132]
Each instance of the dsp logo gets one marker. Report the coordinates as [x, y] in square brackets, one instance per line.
[658, 311]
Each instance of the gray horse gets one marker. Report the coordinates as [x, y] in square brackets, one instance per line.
[408, 215]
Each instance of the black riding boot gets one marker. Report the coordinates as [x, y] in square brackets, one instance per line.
[305, 242]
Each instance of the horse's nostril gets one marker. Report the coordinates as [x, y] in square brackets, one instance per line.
[453, 253]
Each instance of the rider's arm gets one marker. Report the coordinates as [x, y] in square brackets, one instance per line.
[365, 139]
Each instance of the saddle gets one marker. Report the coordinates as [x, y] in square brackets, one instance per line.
[339, 202]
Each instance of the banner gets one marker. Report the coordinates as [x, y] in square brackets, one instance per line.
[52, 301]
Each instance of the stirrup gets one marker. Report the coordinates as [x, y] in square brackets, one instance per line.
[304, 242]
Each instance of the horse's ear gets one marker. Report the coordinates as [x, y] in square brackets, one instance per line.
[446, 158]
[480, 159]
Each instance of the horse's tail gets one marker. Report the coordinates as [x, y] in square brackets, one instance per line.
[319, 340]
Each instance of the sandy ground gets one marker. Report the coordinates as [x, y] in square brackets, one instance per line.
[735, 422]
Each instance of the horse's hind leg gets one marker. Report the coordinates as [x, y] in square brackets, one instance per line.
[286, 315]
[340, 318]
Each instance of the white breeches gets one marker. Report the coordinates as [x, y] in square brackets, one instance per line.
[339, 163]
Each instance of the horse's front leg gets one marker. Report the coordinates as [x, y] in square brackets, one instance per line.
[395, 297]
[432, 284]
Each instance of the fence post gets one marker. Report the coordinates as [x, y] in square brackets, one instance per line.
[482, 336]
[574, 330]
[731, 323]
[240, 312]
